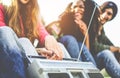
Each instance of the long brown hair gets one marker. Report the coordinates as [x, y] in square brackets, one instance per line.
[18, 14]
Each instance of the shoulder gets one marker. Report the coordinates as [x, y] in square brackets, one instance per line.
[2, 10]
[1, 7]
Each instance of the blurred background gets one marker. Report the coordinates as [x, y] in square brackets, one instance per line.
[51, 9]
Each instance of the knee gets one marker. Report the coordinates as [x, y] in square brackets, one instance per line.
[24, 40]
[68, 39]
[105, 54]
[6, 31]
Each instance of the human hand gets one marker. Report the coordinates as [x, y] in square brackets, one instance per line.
[114, 49]
[44, 52]
[80, 23]
[82, 26]
[52, 45]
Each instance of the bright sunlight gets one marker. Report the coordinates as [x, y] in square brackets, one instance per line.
[51, 9]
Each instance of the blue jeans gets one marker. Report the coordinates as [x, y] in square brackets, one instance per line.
[11, 60]
[73, 47]
[106, 59]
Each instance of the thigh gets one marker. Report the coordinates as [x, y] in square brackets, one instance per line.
[8, 37]
[65, 52]
[85, 54]
[71, 45]
[107, 60]
[117, 55]
[11, 65]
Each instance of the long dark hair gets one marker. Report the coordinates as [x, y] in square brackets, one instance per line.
[90, 6]
[68, 25]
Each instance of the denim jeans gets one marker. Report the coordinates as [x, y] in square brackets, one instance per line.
[65, 52]
[11, 60]
[73, 47]
[106, 59]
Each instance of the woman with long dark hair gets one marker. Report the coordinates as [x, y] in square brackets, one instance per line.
[73, 32]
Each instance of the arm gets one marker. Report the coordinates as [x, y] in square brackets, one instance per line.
[114, 49]
[2, 20]
[87, 42]
[105, 40]
[102, 42]
[50, 44]
[83, 29]
[100, 46]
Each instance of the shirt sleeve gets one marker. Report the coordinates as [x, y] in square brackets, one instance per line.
[102, 42]
[2, 18]
[100, 46]
[42, 34]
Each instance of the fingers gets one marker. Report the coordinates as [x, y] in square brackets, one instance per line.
[49, 54]
[43, 51]
[55, 56]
